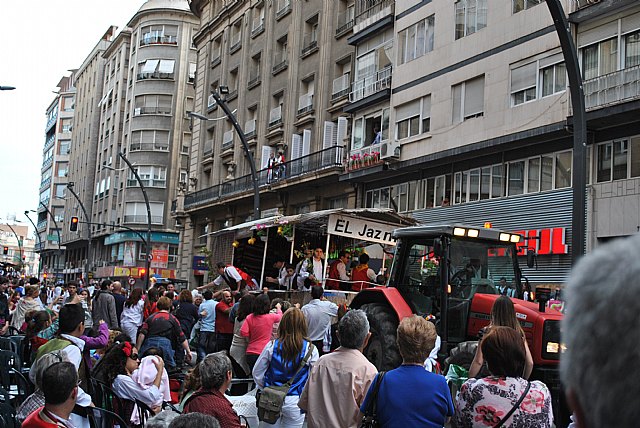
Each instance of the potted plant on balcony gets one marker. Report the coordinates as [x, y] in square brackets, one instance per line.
[262, 231]
[286, 231]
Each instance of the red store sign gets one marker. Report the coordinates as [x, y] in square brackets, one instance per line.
[543, 241]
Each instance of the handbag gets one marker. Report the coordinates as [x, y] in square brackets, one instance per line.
[271, 398]
[515, 407]
[370, 418]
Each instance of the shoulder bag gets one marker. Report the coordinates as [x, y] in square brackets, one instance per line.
[272, 398]
[370, 418]
[515, 407]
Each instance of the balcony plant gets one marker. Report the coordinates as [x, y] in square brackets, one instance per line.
[262, 231]
[286, 231]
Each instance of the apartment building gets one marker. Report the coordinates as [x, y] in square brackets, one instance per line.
[53, 183]
[21, 256]
[82, 152]
[146, 91]
[285, 69]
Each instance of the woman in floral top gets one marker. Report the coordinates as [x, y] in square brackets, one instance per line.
[485, 402]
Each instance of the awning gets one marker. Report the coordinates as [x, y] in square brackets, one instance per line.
[315, 220]
[246, 227]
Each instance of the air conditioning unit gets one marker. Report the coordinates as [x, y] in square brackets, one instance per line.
[389, 150]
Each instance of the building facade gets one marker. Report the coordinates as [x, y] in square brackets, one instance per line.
[147, 89]
[21, 257]
[55, 165]
[284, 68]
[82, 159]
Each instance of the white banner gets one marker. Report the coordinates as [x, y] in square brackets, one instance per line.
[364, 229]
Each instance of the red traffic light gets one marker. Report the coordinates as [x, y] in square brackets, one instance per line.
[142, 272]
[5, 250]
[73, 226]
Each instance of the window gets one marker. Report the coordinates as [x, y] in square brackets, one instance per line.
[563, 169]
[254, 70]
[471, 16]
[310, 37]
[136, 212]
[280, 55]
[64, 146]
[150, 175]
[156, 69]
[151, 140]
[366, 129]
[600, 58]
[553, 79]
[216, 50]
[67, 104]
[236, 36]
[62, 168]
[516, 178]
[61, 190]
[416, 40]
[408, 120]
[538, 79]
[468, 99]
[159, 34]
[523, 83]
[192, 73]
[520, 5]
[307, 88]
[152, 104]
[632, 49]
[258, 19]
[67, 125]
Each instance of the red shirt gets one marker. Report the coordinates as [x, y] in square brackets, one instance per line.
[212, 402]
[223, 325]
[36, 420]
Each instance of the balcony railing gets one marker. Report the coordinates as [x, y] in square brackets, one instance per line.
[309, 43]
[345, 21]
[155, 75]
[42, 225]
[373, 10]
[371, 85]
[47, 162]
[305, 104]
[254, 78]
[49, 142]
[147, 182]
[135, 147]
[612, 88]
[45, 183]
[227, 140]
[139, 111]
[142, 219]
[341, 86]
[257, 27]
[324, 159]
[250, 128]
[236, 42]
[158, 39]
[280, 62]
[207, 149]
[275, 116]
[363, 157]
[284, 6]
[51, 121]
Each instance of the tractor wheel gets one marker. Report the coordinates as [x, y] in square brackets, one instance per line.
[382, 350]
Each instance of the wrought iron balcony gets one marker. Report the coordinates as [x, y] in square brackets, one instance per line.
[310, 164]
[345, 22]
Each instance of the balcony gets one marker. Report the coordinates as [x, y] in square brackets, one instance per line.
[284, 7]
[275, 117]
[368, 12]
[155, 75]
[42, 225]
[158, 39]
[341, 87]
[345, 22]
[280, 62]
[309, 43]
[49, 143]
[150, 147]
[310, 164]
[142, 219]
[364, 157]
[257, 27]
[216, 61]
[371, 85]
[45, 183]
[250, 128]
[236, 42]
[613, 88]
[305, 104]
[51, 122]
[227, 140]
[254, 79]
[47, 163]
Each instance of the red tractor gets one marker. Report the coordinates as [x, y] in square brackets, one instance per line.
[455, 273]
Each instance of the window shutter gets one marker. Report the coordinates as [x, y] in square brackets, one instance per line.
[328, 135]
[598, 34]
[630, 23]
[474, 96]
[343, 124]
[408, 110]
[266, 152]
[306, 142]
[296, 146]
[457, 103]
[150, 66]
[523, 77]
[426, 106]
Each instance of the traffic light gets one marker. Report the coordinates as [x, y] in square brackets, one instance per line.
[44, 276]
[73, 226]
[5, 250]
[142, 272]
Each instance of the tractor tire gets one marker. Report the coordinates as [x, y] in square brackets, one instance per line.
[382, 350]
[463, 354]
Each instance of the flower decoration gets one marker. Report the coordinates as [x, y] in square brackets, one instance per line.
[235, 244]
[127, 349]
[251, 241]
[285, 230]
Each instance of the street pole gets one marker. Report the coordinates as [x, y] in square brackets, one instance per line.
[19, 246]
[146, 201]
[579, 173]
[55, 223]
[247, 152]
[26, 214]
[87, 263]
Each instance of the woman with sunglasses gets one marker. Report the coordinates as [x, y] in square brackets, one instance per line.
[115, 370]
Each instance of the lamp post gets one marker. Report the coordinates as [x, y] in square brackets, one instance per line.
[55, 223]
[146, 201]
[579, 173]
[19, 245]
[26, 214]
[245, 145]
[87, 263]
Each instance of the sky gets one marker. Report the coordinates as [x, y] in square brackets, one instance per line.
[41, 41]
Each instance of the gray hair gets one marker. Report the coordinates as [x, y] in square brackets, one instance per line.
[190, 420]
[43, 363]
[353, 329]
[162, 419]
[214, 369]
[600, 333]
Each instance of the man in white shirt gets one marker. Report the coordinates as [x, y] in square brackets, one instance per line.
[319, 314]
[282, 274]
[313, 269]
[339, 381]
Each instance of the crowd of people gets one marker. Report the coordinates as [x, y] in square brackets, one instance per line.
[138, 341]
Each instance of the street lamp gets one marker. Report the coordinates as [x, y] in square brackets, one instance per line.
[146, 201]
[87, 263]
[579, 173]
[26, 214]
[7, 88]
[55, 223]
[19, 245]
[245, 145]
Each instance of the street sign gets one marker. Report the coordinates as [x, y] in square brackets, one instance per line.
[131, 281]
